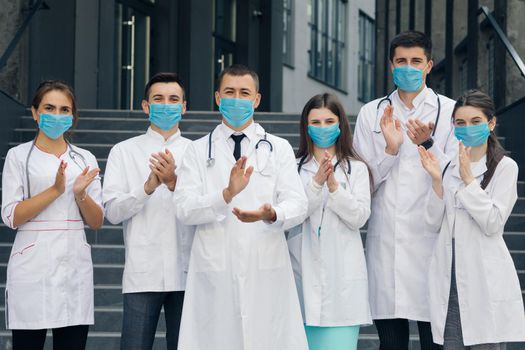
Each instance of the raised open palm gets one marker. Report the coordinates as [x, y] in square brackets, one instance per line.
[391, 129]
[84, 180]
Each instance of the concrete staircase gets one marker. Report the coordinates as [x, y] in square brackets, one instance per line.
[98, 131]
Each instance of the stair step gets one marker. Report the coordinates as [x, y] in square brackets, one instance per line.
[106, 296]
[100, 254]
[186, 124]
[516, 223]
[519, 207]
[515, 240]
[95, 341]
[521, 188]
[518, 256]
[104, 274]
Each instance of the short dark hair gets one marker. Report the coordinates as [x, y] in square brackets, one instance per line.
[165, 77]
[238, 70]
[411, 38]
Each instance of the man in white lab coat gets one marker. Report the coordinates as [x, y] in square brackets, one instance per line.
[240, 186]
[138, 191]
[398, 244]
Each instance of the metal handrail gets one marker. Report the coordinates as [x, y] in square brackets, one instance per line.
[504, 39]
[40, 4]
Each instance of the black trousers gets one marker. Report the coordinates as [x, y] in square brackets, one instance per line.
[65, 338]
[394, 334]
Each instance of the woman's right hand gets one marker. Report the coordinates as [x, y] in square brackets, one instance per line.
[324, 169]
[430, 163]
[60, 179]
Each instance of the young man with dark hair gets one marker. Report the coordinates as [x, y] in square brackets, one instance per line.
[398, 244]
[138, 188]
[239, 185]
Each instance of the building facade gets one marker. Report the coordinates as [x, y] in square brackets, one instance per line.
[331, 48]
[108, 49]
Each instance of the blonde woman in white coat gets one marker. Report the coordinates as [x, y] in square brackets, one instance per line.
[327, 252]
[475, 296]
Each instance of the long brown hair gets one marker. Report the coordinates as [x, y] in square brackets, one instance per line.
[47, 86]
[495, 151]
[344, 149]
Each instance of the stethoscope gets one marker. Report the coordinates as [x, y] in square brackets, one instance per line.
[389, 100]
[72, 154]
[211, 160]
[303, 160]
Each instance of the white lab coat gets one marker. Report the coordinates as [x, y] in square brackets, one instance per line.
[240, 291]
[50, 273]
[330, 268]
[157, 244]
[399, 247]
[490, 300]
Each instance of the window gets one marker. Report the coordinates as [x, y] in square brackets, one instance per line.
[365, 78]
[288, 32]
[327, 41]
[490, 65]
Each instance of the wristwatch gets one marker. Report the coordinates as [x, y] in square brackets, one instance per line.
[428, 143]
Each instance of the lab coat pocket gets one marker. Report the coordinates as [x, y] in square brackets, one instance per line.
[209, 249]
[272, 250]
[138, 258]
[354, 260]
[25, 284]
[502, 285]
[28, 262]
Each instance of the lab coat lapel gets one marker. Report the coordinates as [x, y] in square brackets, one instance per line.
[220, 145]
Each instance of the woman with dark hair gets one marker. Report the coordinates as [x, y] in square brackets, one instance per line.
[50, 189]
[475, 296]
[326, 250]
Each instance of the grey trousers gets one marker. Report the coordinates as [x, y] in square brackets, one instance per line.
[453, 339]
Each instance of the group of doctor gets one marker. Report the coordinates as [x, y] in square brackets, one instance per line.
[204, 222]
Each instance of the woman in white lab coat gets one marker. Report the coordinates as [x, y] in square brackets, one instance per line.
[50, 189]
[475, 296]
[326, 250]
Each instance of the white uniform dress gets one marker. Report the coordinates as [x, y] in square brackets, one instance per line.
[489, 293]
[50, 272]
[240, 292]
[157, 244]
[398, 244]
[327, 253]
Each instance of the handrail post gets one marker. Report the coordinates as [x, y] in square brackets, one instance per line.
[510, 49]
[18, 35]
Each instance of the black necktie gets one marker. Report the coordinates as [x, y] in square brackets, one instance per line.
[237, 149]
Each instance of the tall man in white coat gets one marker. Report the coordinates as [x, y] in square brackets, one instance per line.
[398, 244]
[138, 191]
[240, 186]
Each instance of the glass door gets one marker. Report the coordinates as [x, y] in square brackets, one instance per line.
[133, 52]
[224, 34]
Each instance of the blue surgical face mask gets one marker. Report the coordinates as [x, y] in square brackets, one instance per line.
[236, 111]
[324, 137]
[472, 135]
[408, 78]
[165, 116]
[55, 125]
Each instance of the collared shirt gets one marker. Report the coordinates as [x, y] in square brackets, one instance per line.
[424, 106]
[250, 131]
[157, 245]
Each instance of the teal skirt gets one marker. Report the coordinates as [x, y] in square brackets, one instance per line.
[332, 338]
